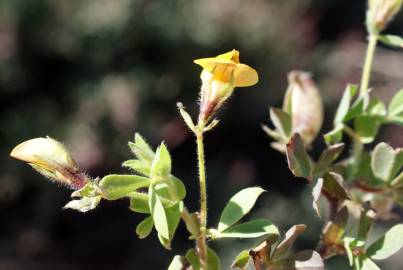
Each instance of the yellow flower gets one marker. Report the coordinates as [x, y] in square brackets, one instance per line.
[50, 158]
[226, 67]
[220, 75]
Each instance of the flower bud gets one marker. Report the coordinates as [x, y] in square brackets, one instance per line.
[219, 77]
[380, 13]
[50, 158]
[304, 103]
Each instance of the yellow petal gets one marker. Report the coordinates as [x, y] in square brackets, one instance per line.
[210, 63]
[42, 150]
[232, 56]
[245, 76]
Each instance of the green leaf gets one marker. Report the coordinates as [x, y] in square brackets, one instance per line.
[139, 203]
[173, 215]
[383, 159]
[376, 108]
[344, 104]
[297, 157]
[161, 166]
[250, 229]
[334, 136]
[367, 219]
[282, 121]
[387, 245]
[365, 173]
[177, 193]
[357, 108]
[158, 213]
[137, 166]
[396, 104]
[334, 229]
[84, 205]
[193, 258]
[178, 263]
[192, 223]
[327, 158]
[398, 164]
[334, 186]
[238, 206]
[368, 264]
[145, 227]
[241, 261]
[391, 40]
[290, 236]
[213, 261]
[141, 149]
[366, 127]
[116, 186]
[164, 242]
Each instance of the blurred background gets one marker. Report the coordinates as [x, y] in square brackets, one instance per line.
[91, 73]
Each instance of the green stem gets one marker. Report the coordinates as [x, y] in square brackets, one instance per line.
[358, 147]
[366, 73]
[201, 239]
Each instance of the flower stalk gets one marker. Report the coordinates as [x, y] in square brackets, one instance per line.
[201, 239]
[366, 73]
[220, 76]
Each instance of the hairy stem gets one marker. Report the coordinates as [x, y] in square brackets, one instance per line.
[201, 239]
[366, 72]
